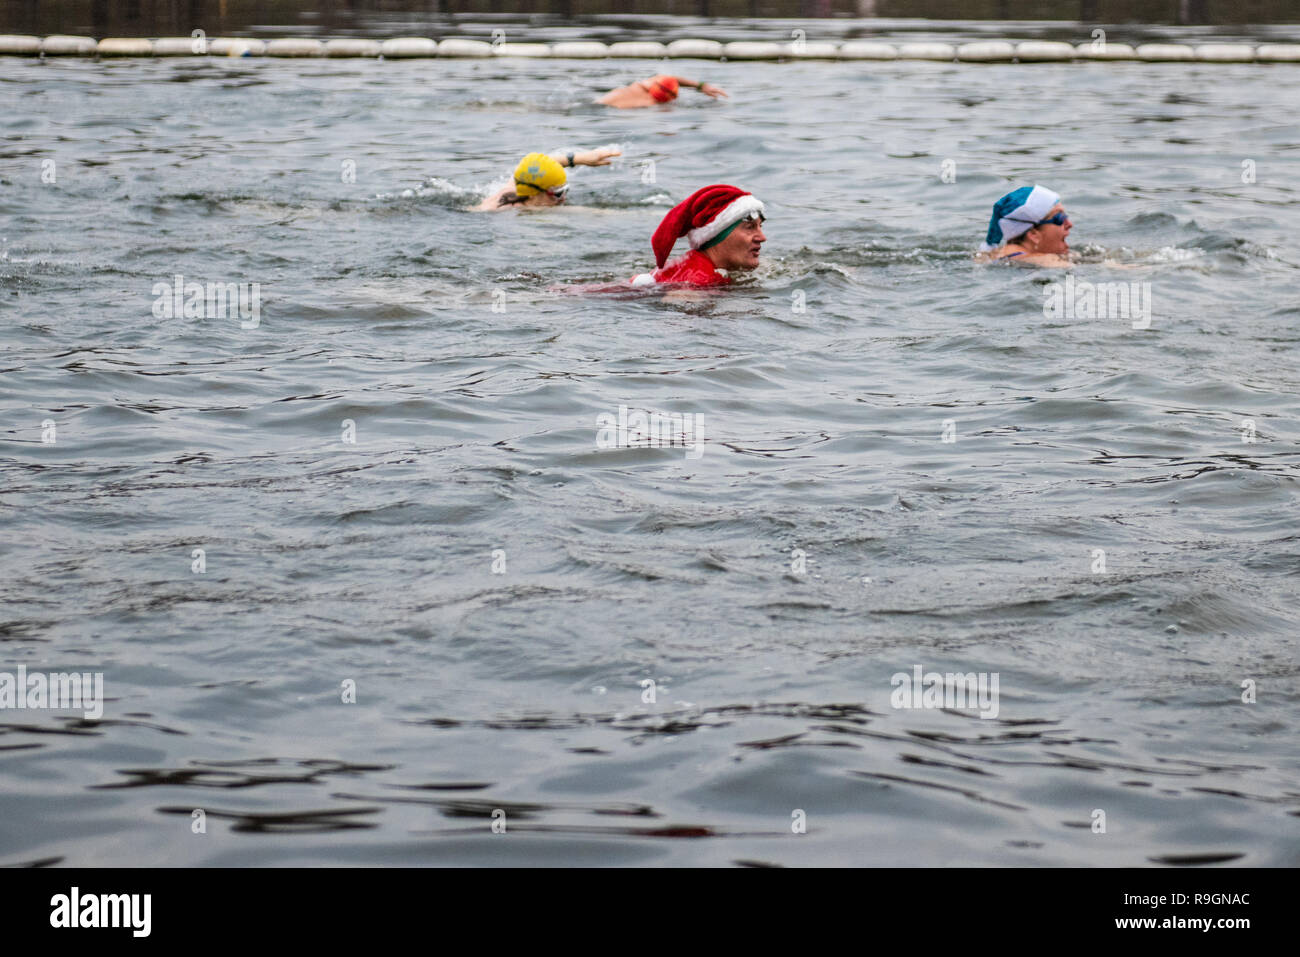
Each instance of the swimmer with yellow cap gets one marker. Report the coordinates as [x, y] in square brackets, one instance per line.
[657, 89]
[540, 180]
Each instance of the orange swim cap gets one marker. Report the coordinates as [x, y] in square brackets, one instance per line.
[662, 87]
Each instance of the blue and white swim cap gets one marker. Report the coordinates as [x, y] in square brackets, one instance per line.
[1016, 212]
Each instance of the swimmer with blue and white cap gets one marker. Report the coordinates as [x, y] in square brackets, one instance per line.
[1029, 226]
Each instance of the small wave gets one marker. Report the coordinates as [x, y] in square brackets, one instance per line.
[443, 192]
[1093, 253]
[623, 198]
[1172, 254]
[439, 191]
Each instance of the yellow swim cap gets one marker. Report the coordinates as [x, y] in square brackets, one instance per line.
[537, 173]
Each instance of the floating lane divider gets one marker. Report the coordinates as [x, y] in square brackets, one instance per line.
[982, 51]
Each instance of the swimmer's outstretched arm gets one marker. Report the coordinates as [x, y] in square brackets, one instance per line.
[597, 157]
[1053, 261]
[685, 294]
[1046, 260]
[1049, 260]
[708, 89]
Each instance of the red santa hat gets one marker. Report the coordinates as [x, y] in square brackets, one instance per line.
[702, 216]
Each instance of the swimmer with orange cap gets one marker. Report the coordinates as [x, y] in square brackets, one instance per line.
[657, 89]
[540, 180]
[724, 226]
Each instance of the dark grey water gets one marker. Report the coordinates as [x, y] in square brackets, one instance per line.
[475, 432]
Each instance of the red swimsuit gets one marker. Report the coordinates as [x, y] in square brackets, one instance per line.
[695, 269]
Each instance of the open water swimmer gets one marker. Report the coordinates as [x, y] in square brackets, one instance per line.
[724, 226]
[655, 91]
[1029, 226]
[540, 180]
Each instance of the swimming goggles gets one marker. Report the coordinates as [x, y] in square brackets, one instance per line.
[1057, 220]
[558, 193]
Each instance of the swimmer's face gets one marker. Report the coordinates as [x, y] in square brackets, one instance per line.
[547, 199]
[1051, 237]
[740, 249]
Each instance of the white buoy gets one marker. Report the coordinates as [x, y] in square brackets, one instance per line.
[811, 50]
[522, 49]
[399, 48]
[981, 51]
[1043, 51]
[295, 47]
[461, 47]
[926, 51]
[1226, 53]
[986, 51]
[179, 46]
[124, 46]
[20, 46]
[580, 50]
[1277, 53]
[60, 45]
[749, 50]
[352, 46]
[695, 49]
[638, 49]
[868, 50]
[1163, 52]
[1105, 51]
[236, 46]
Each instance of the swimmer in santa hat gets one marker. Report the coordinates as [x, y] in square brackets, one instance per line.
[724, 226]
[657, 89]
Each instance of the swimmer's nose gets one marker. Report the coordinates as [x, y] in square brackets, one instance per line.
[759, 237]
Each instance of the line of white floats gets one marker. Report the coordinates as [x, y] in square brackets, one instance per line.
[984, 51]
